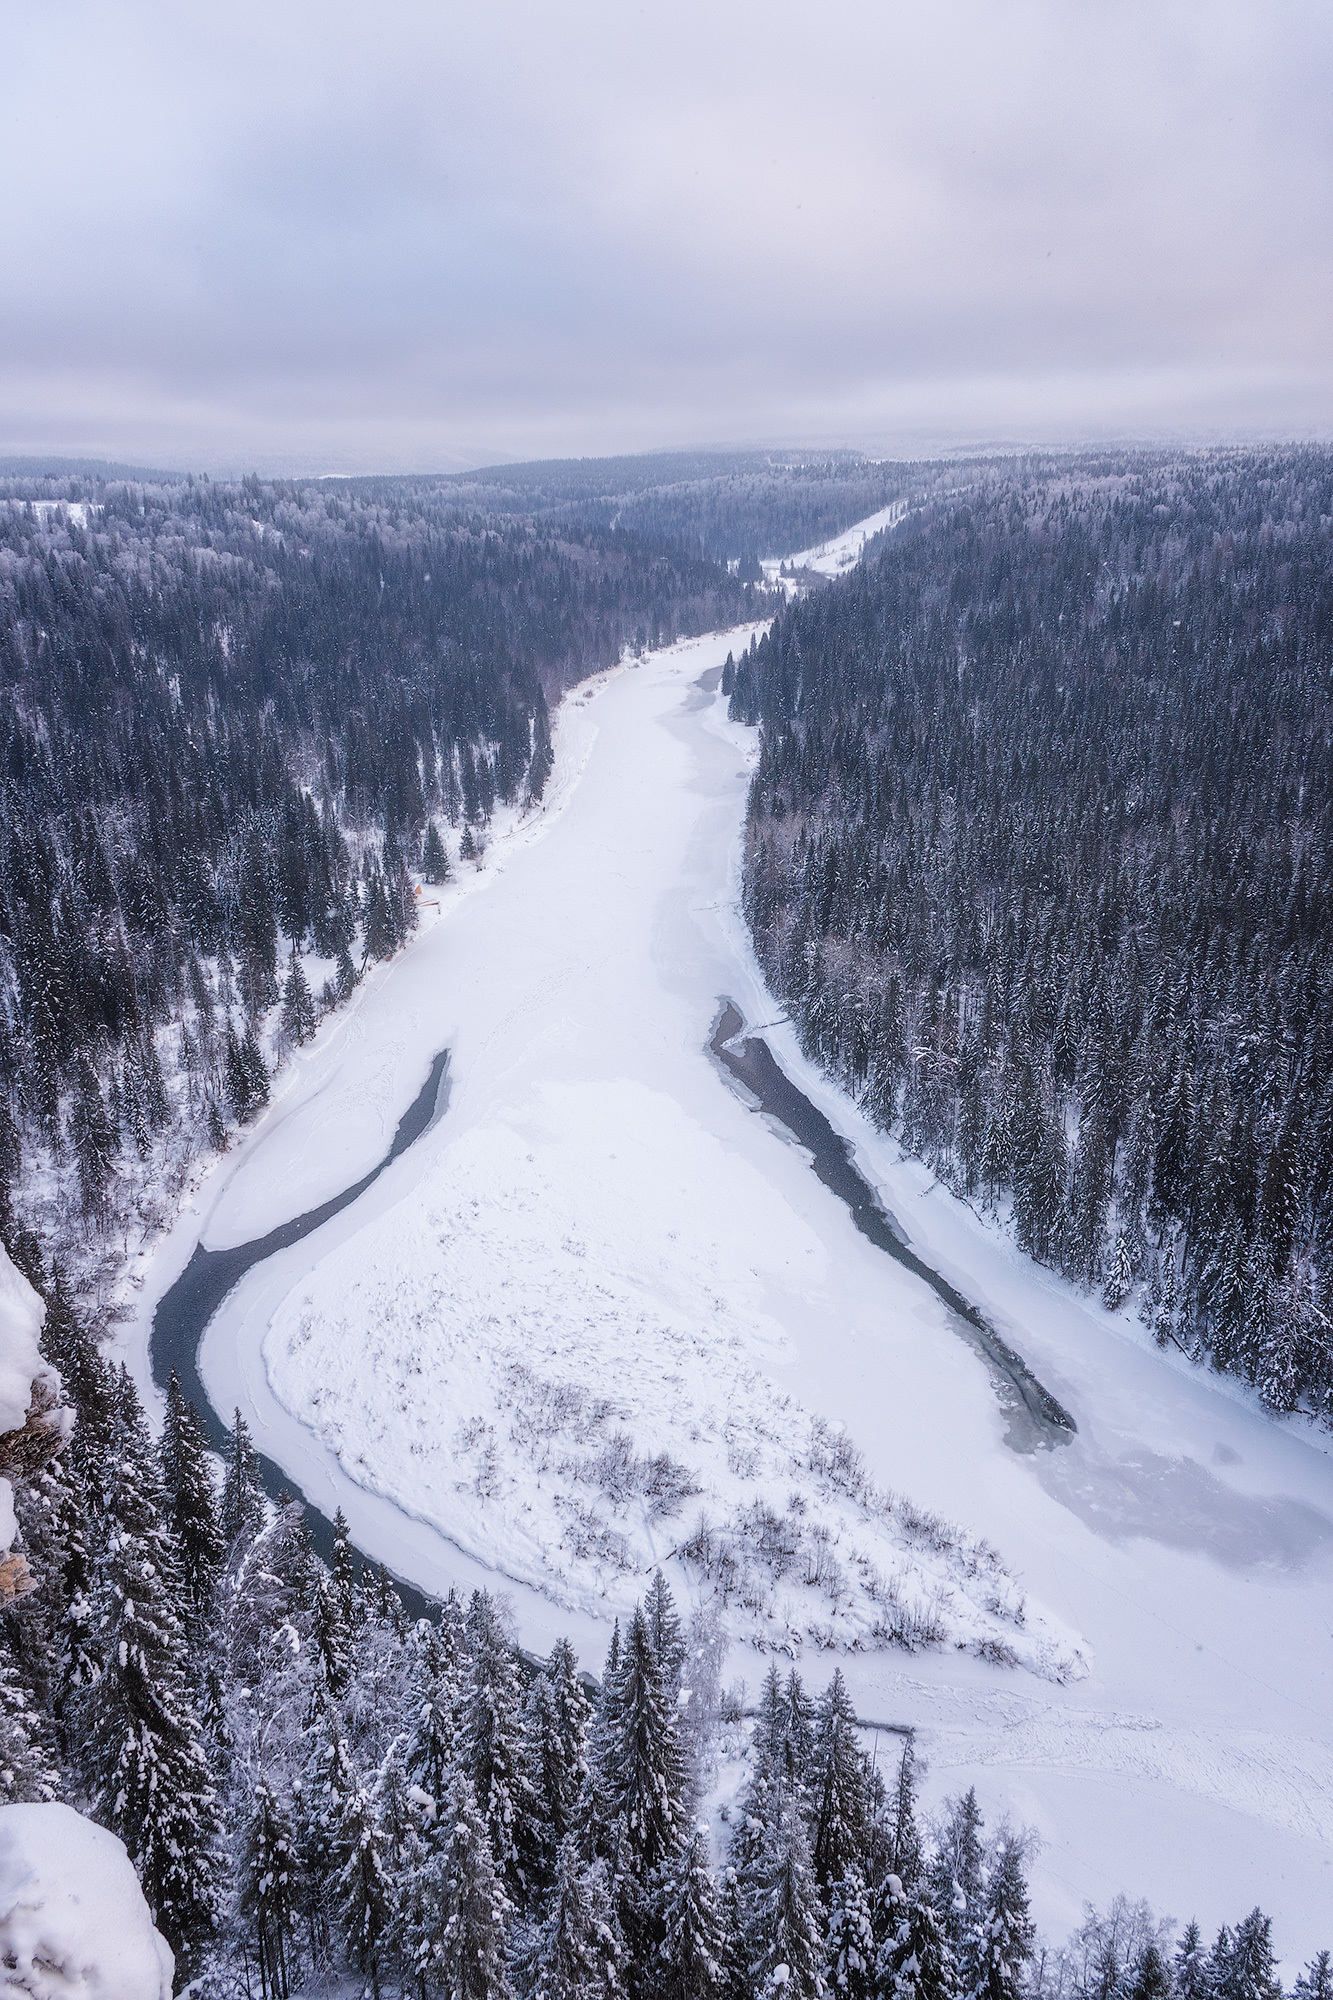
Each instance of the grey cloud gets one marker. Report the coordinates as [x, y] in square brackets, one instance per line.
[320, 236]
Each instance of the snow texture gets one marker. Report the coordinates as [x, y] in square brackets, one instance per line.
[73, 1921]
[600, 1219]
[21, 1364]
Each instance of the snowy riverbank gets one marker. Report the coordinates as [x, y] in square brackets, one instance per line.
[598, 1208]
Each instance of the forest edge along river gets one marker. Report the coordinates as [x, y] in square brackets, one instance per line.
[1033, 1417]
[184, 1312]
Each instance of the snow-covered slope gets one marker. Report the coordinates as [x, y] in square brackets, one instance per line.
[599, 1218]
[73, 1921]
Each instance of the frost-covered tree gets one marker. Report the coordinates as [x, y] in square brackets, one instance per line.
[362, 1890]
[690, 1961]
[577, 1953]
[193, 1505]
[1316, 1982]
[557, 1734]
[1000, 1936]
[916, 1961]
[666, 1632]
[851, 1949]
[645, 1768]
[837, 1786]
[491, 1749]
[469, 1954]
[147, 1768]
[242, 1490]
[266, 1890]
[784, 1922]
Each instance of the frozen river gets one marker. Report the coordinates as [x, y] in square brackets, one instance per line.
[601, 1253]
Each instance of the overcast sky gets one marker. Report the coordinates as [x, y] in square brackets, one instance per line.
[335, 238]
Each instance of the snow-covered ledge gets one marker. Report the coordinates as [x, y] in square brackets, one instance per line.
[33, 1425]
[73, 1921]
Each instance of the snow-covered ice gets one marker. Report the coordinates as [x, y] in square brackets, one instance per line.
[600, 1258]
[841, 552]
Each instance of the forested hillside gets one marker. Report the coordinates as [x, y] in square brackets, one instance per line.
[734, 506]
[323, 1796]
[1040, 855]
[232, 719]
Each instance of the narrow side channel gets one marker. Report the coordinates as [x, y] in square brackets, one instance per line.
[1033, 1417]
[183, 1312]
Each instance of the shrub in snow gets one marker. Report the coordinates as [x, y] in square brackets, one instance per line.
[73, 1921]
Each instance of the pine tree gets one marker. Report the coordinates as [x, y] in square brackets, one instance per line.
[434, 1702]
[1120, 1276]
[1148, 1978]
[469, 1959]
[332, 1635]
[434, 860]
[193, 1506]
[1242, 1966]
[362, 1893]
[148, 1772]
[28, 1769]
[851, 1950]
[1000, 1942]
[491, 1750]
[242, 1493]
[784, 1926]
[1316, 1982]
[955, 1880]
[267, 1890]
[557, 1735]
[1189, 1974]
[916, 1962]
[666, 1634]
[690, 1959]
[298, 1007]
[577, 1954]
[646, 1770]
[837, 1786]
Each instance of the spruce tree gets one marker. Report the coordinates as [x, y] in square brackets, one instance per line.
[915, 1961]
[690, 1959]
[362, 1890]
[1000, 1938]
[1189, 1973]
[850, 1949]
[666, 1633]
[267, 1890]
[491, 1750]
[1316, 1982]
[469, 1959]
[577, 1953]
[298, 1007]
[646, 1771]
[193, 1506]
[837, 1786]
[557, 1735]
[242, 1493]
[147, 1769]
[784, 1924]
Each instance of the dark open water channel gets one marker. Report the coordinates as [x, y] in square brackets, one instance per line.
[1033, 1417]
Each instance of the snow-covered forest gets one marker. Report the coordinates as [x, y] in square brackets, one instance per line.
[321, 1795]
[1039, 857]
[234, 718]
[1048, 905]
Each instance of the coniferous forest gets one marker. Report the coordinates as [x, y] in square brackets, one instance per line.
[321, 1795]
[233, 719]
[1039, 854]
